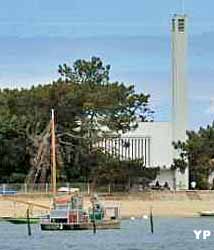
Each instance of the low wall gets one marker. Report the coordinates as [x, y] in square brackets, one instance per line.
[164, 195]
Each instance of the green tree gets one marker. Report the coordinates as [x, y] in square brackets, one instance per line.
[198, 153]
[106, 108]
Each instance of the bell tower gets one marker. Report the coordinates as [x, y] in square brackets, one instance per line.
[179, 89]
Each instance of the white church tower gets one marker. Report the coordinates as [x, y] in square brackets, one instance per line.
[179, 90]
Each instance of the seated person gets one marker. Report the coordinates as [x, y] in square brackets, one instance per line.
[157, 185]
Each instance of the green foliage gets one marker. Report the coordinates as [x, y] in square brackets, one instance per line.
[108, 169]
[198, 153]
[12, 147]
[88, 106]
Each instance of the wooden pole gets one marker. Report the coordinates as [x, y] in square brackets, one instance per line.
[94, 219]
[53, 152]
[28, 222]
[151, 221]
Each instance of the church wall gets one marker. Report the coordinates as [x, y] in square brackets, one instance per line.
[160, 134]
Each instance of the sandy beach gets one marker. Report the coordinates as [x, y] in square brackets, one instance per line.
[182, 204]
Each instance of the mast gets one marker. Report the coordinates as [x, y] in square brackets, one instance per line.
[53, 153]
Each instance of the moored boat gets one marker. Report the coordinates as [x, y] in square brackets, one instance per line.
[207, 213]
[69, 214]
[21, 220]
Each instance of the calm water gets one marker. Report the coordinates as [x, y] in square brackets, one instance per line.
[170, 233]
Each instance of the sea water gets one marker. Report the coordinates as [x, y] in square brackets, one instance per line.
[169, 233]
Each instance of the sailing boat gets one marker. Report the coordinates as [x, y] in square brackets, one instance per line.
[69, 213]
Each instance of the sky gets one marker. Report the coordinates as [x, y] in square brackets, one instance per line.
[132, 36]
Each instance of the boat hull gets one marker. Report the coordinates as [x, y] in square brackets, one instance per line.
[22, 220]
[207, 213]
[83, 226]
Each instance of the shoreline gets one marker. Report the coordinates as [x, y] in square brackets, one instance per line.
[164, 204]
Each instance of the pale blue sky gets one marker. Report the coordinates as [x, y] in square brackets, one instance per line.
[132, 36]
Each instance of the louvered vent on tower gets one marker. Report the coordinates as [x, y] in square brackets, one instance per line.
[181, 24]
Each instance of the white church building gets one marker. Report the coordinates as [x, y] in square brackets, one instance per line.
[152, 141]
[157, 137]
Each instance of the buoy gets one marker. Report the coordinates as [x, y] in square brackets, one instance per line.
[145, 217]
